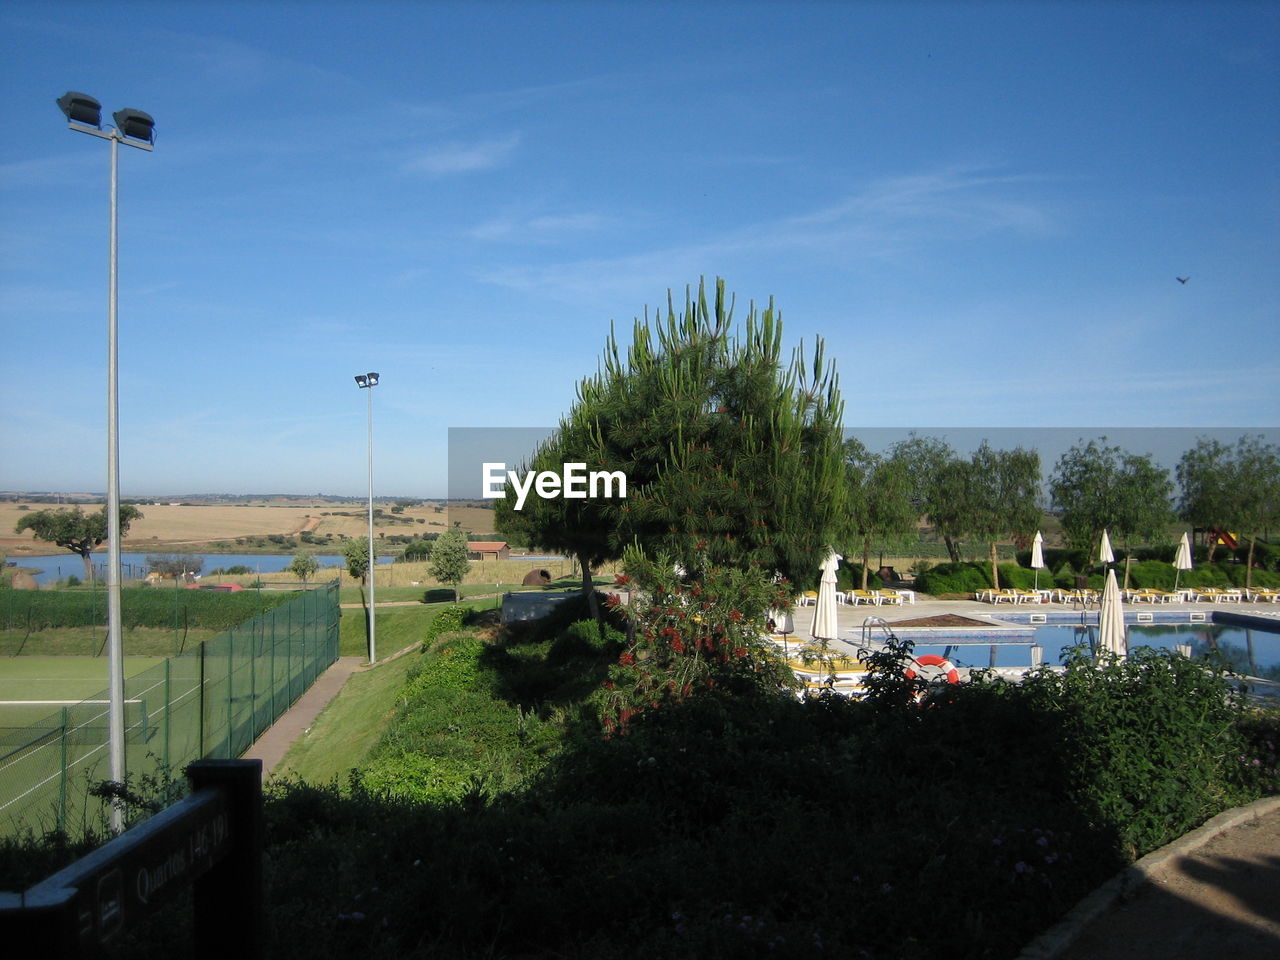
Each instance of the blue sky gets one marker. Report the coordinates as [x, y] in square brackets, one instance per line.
[981, 208]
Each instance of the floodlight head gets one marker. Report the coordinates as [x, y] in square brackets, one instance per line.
[81, 108]
[373, 379]
[135, 125]
[361, 379]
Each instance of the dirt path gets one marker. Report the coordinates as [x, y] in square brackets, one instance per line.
[1214, 893]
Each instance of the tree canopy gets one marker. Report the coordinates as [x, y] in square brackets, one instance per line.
[304, 566]
[1003, 496]
[880, 505]
[731, 453]
[75, 530]
[1231, 488]
[449, 562]
[178, 566]
[1098, 487]
[356, 553]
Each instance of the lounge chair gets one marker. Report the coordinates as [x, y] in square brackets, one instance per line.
[807, 599]
[889, 596]
[1264, 594]
[1219, 595]
[865, 596]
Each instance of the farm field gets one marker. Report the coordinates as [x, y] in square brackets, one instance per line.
[185, 526]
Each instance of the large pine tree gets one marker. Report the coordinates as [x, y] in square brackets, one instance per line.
[732, 456]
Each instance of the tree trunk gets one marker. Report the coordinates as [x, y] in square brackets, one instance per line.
[953, 548]
[87, 557]
[589, 590]
[866, 559]
[995, 574]
[1248, 567]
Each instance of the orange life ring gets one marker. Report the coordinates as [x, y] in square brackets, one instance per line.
[933, 660]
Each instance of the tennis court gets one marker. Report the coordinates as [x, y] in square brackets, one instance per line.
[211, 701]
[32, 688]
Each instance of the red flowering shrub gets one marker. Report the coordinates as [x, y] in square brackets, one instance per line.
[689, 635]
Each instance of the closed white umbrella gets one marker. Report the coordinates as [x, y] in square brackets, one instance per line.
[783, 624]
[1104, 551]
[1111, 629]
[825, 626]
[1037, 556]
[1181, 560]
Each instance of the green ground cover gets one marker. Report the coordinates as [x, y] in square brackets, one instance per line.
[342, 736]
[490, 817]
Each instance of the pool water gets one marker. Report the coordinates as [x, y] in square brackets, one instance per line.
[1248, 650]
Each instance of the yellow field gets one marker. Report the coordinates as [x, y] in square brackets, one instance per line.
[173, 525]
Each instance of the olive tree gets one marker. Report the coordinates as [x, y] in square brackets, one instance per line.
[1098, 487]
[75, 530]
[1003, 493]
[879, 502]
[1231, 487]
[449, 560]
[304, 566]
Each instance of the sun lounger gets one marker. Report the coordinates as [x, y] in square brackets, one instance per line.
[889, 596]
[1219, 595]
[1264, 594]
[807, 599]
[865, 596]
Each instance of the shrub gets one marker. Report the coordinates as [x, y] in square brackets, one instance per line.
[446, 620]
[961, 577]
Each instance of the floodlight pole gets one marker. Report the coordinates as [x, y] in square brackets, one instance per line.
[115, 645]
[367, 381]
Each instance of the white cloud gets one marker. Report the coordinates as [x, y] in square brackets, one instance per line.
[537, 229]
[459, 157]
[890, 217]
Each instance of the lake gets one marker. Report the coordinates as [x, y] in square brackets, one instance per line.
[134, 566]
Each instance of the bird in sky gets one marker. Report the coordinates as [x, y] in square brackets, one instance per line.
[1182, 279]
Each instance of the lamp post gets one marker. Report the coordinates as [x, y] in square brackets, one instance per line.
[135, 129]
[367, 381]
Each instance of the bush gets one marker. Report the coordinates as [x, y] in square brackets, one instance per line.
[961, 577]
[446, 620]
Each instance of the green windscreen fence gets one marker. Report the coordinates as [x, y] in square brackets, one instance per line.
[212, 701]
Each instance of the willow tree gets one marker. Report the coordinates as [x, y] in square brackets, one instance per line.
[731, 452]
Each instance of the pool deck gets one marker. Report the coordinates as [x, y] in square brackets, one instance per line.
[1004, 622]
[998, 618]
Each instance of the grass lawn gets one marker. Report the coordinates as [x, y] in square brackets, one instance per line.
[347, 730]
[90, 642]
[398, 627]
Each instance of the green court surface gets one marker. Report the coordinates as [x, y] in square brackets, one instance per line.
[24, 679]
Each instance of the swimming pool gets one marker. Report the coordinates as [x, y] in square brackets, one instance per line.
[1248, 649]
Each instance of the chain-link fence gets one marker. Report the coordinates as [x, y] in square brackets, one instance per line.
[212, 701]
